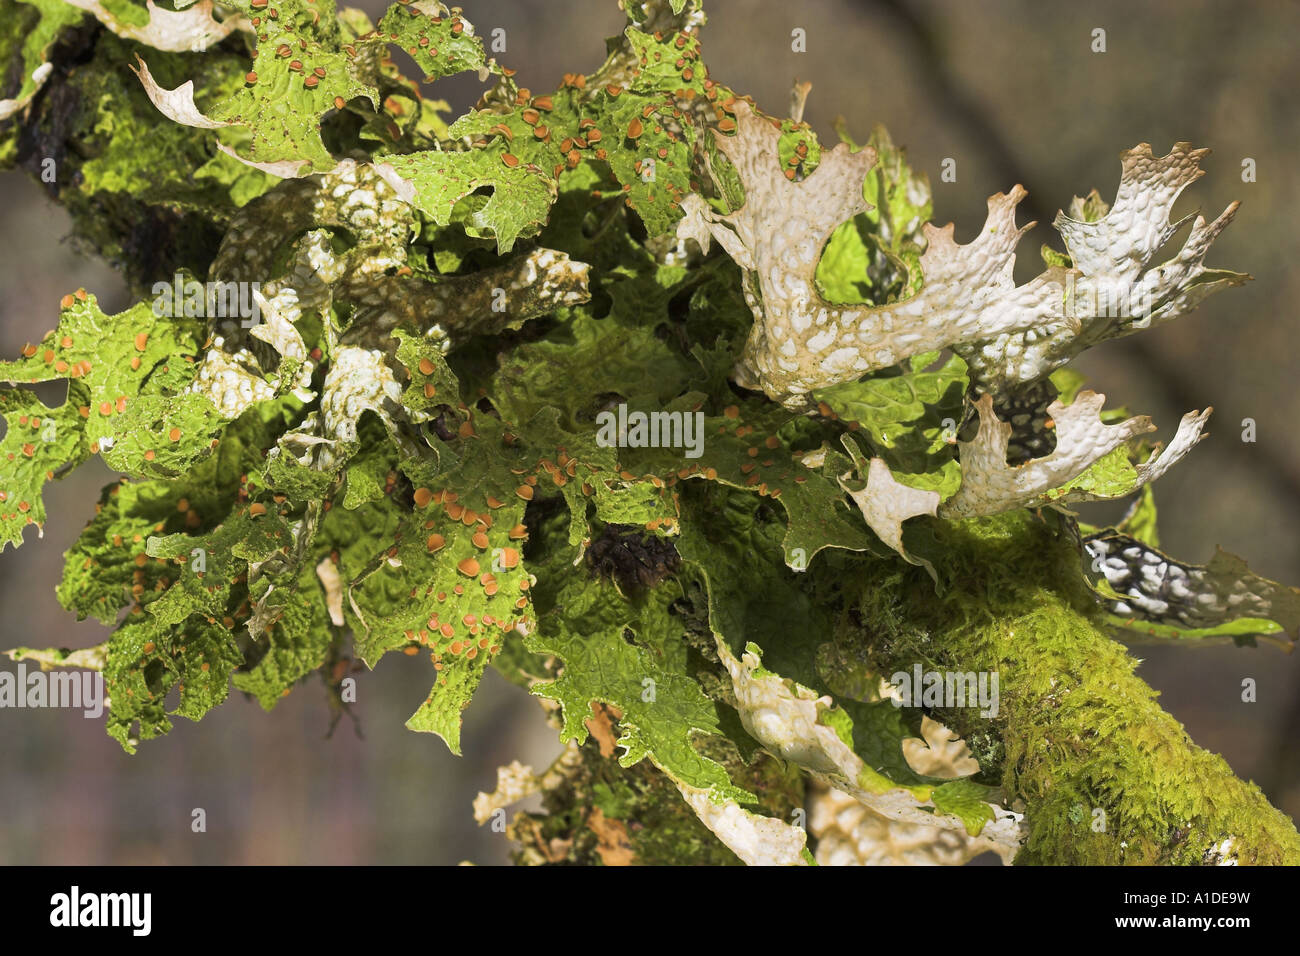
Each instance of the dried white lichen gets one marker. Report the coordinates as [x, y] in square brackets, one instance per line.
[989, 485]
[786, 719]
[849, 833]
[361, 294]
[229, 383]
[332, 581]
[358, 380]
[178, 104]
[938, 752]
[886, 504]
[191, 30]
[756, 839]
[517, 781]
[514, 782]
[969, 301]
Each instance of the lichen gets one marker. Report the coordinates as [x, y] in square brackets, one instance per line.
[480, 390]
[1009, 334]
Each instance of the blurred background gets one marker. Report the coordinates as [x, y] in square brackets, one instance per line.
[1013, 92]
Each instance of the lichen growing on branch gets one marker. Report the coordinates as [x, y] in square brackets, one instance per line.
[691, 425]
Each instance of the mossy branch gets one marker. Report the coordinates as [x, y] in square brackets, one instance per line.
[1105, 775]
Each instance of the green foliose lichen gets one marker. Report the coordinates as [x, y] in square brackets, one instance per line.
[502, 403]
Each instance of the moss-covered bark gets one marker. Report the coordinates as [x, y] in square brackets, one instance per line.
[1077, 731]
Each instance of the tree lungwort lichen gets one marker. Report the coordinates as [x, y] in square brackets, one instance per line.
[354, 410]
